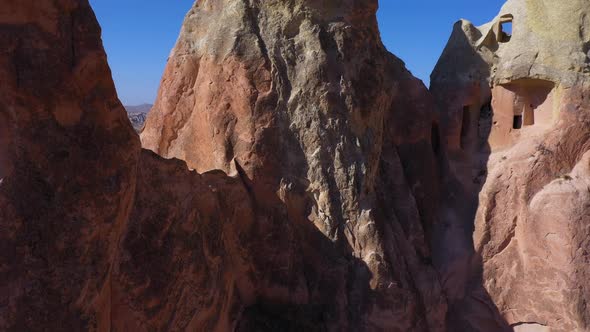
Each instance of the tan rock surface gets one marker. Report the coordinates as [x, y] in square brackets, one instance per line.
[515, 117]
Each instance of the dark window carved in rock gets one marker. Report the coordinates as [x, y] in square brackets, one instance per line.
[485, 121]
[517, 123]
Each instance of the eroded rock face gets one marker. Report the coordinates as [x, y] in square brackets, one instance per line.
[334, 216]
[68, 160]
[323, 226]
[305, 100]
[516, 130]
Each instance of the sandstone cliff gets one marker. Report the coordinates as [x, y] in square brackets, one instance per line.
[515, 113]
[68, 160]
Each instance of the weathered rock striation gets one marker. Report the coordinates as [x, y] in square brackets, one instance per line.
[323, 225]
[516, 130]
[301, 100]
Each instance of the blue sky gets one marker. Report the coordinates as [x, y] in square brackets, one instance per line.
[139, 34]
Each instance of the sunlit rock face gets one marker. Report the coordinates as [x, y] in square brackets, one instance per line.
[515, 124]
[302, 101]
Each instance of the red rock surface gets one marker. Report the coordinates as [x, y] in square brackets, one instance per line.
[98, 235]
[68, 166]
[351, 203]
[322, 119]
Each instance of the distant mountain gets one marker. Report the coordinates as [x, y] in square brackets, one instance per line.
[138, 114]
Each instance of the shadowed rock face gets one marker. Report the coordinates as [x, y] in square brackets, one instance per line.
[323, 225]
[515, 117]
[68, 158]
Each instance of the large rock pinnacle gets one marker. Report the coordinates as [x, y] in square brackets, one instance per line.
[68, 160]
[301, 99]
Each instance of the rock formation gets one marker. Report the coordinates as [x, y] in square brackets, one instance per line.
[323, 225]
[68, 160]
[303, 103]
[314, 184]
[515, 124]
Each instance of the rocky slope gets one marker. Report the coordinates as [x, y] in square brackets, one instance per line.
[516, 114]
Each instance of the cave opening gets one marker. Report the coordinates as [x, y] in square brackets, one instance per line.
[517, 122]
[484, 128]
[526, 102]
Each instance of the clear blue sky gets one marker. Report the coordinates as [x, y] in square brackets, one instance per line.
[139, 34]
